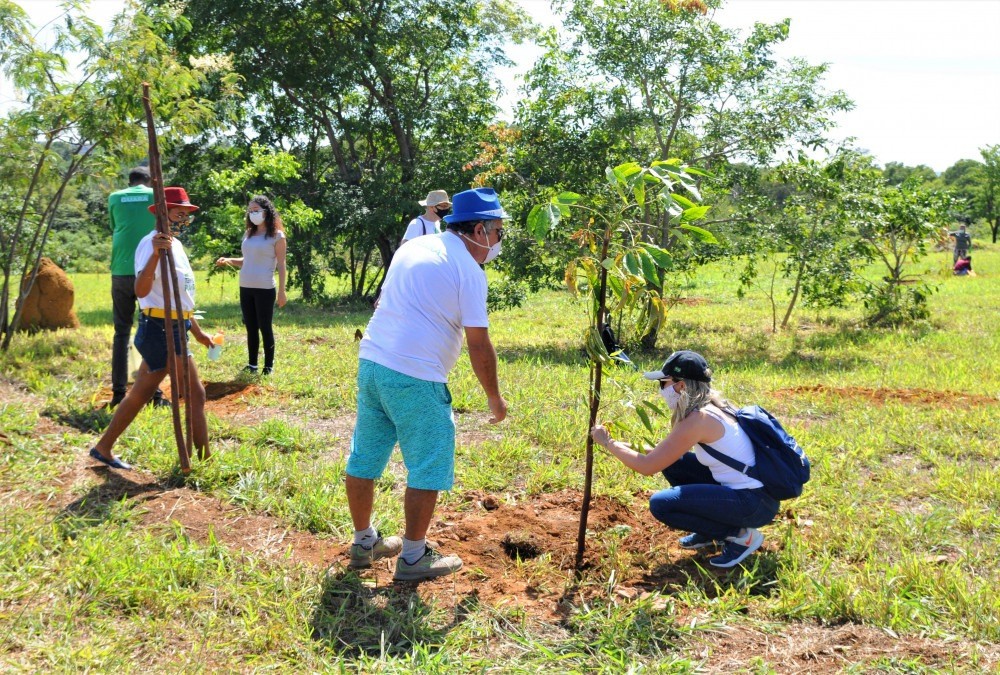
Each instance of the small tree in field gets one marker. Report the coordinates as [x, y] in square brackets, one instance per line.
[896, 235]
[809, 236]
[620, 269]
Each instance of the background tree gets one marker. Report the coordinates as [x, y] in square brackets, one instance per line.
[644, 78]
[83, 121]
[895, 234]
[808, 232]
[386, 97]
[989, 196]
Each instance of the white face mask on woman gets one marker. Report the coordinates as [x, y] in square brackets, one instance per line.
[256, 217]
[671, 396]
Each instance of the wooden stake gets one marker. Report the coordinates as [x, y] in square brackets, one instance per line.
[171, 298]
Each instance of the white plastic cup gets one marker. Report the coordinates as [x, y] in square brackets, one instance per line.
[214, 352]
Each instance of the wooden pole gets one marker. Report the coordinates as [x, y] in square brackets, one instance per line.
[171, 297]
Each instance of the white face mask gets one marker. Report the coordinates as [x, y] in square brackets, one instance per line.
[256, 217]
[493, 252]
[671, 396]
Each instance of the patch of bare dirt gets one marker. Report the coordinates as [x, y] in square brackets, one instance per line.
[881, 396]
[812, 648]
[693, 301]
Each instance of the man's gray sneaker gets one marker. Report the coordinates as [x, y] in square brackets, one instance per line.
[430, 565]
[362, 557]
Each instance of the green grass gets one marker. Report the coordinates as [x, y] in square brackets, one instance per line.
[897, 530]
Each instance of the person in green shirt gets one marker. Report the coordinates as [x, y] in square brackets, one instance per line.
[131, 220]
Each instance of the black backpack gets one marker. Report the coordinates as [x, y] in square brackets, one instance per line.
[780, 464]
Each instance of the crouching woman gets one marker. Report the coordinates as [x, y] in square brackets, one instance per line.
[714, 502]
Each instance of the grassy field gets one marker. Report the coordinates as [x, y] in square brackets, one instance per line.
[887, 563]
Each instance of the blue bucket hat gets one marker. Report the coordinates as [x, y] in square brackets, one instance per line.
[477, 204]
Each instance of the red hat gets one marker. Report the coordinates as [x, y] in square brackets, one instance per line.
[176, 197]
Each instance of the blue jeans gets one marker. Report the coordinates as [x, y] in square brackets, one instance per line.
[151, 341]
[696, 503]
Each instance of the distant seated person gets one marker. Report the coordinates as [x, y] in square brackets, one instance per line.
[963, 265]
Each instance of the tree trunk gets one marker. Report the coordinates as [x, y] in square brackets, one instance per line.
[595, 404]
[795, 296]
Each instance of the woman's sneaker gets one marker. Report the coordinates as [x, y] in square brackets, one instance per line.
[430, 565]
[362, 557]
[695, 541]
[737, 548]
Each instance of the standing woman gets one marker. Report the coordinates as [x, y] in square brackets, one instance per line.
[263, 251]
[713, 501]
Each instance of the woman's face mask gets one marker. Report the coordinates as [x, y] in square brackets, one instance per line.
[671, 396]
[256, 217]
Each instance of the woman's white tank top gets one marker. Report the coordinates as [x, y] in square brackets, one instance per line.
[734, 443]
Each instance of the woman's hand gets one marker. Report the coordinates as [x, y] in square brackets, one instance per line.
[601, 436]
[282, 298]
[221, 262]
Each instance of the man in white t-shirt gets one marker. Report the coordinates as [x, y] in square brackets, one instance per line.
[436, 206]
[434, 291]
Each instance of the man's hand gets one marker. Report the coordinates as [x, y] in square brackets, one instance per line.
[281, 299]
[498, 407]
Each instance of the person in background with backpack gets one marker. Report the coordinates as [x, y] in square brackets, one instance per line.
[713, 501]
[436, 206]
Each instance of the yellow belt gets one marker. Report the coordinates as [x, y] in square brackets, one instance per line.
[158, 313]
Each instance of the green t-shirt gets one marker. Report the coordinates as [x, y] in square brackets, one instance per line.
[131, 220]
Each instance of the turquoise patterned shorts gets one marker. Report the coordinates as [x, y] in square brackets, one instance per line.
[417, 413]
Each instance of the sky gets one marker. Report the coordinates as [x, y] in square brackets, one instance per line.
[924, 74]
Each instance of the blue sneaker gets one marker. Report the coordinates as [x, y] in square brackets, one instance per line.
[737, 548]
[695, 541]
[114, 462]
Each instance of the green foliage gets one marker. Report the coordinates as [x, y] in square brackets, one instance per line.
[619, 269]
[505, 294]
[895, 234]
[81, 122]
[989, 196]
[379, 102]
[646, 79]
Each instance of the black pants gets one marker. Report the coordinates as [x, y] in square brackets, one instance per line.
[123, 302]
[258, 316]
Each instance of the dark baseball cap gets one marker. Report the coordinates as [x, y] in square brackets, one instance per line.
[686, 365]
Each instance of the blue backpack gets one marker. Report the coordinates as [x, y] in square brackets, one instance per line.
[781, 465]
